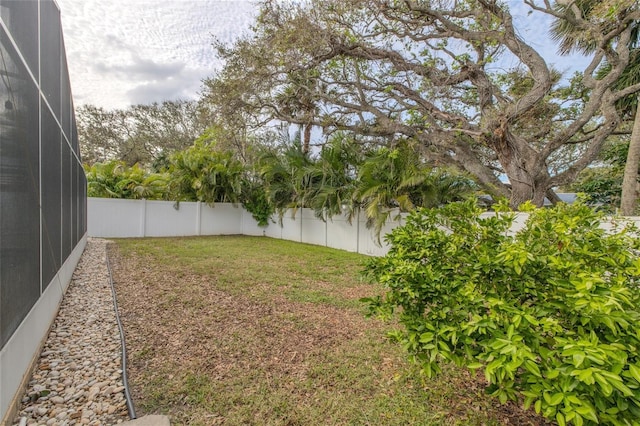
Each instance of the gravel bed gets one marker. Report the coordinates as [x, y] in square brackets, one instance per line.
[78, 378]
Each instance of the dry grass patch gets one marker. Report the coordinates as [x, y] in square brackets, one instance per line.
[242, 330]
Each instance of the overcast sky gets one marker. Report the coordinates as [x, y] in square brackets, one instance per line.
[124, 52]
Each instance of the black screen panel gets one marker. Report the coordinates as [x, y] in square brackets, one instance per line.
[19, 191]
[51, 196]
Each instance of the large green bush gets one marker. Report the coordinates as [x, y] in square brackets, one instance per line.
[550, 314]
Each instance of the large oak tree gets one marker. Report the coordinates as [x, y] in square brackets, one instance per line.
[456, 76]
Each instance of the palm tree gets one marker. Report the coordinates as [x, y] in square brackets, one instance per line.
[136, 183]
[447, 186]
[337, 165]
[398, 179]
[202, 173]
[573, 38]
[115, 180]
[290, 177]
[103, 178]
[297, 101]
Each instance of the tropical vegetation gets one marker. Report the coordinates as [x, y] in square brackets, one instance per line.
[343, 178]
[115, 179]
[601, 183]
[202, 173]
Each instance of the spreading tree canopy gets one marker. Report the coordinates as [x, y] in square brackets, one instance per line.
[574, 31]
[455, 76]
[139, 133]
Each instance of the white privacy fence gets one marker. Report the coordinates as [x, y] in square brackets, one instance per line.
[108, 217]
[115, 218]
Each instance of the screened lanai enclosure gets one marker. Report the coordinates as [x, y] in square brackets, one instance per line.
[42, 184]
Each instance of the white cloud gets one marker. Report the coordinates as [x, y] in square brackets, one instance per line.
[141, 68]
[138, 51]
[184, 86]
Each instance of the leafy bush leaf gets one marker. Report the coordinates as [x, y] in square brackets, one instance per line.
[550, 313]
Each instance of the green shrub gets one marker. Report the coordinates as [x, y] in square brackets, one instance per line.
[204, 173]
[550, 314]
[114, 179]
[255, 201]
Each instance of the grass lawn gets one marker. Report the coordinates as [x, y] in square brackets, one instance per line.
[241, 330]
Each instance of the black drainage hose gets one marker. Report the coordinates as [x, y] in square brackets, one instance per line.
[127, 394]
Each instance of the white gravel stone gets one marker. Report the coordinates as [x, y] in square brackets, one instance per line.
[78, 377]
[57, 400]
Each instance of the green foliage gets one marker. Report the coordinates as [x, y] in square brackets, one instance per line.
[390, 178]
[602, 184]
[202, 173]
[114, 179]
[139, 133]
[312, 64]
[338, 165]
[290, 177]
[199, 173]
[255, 201]
[550, 314]
[398, 178]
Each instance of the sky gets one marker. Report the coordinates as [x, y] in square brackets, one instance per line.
[125, 52]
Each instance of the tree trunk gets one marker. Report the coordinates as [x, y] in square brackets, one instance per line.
[629, 197]
[526, 184]
[307, 138]
[522, 191]
[553, 197]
